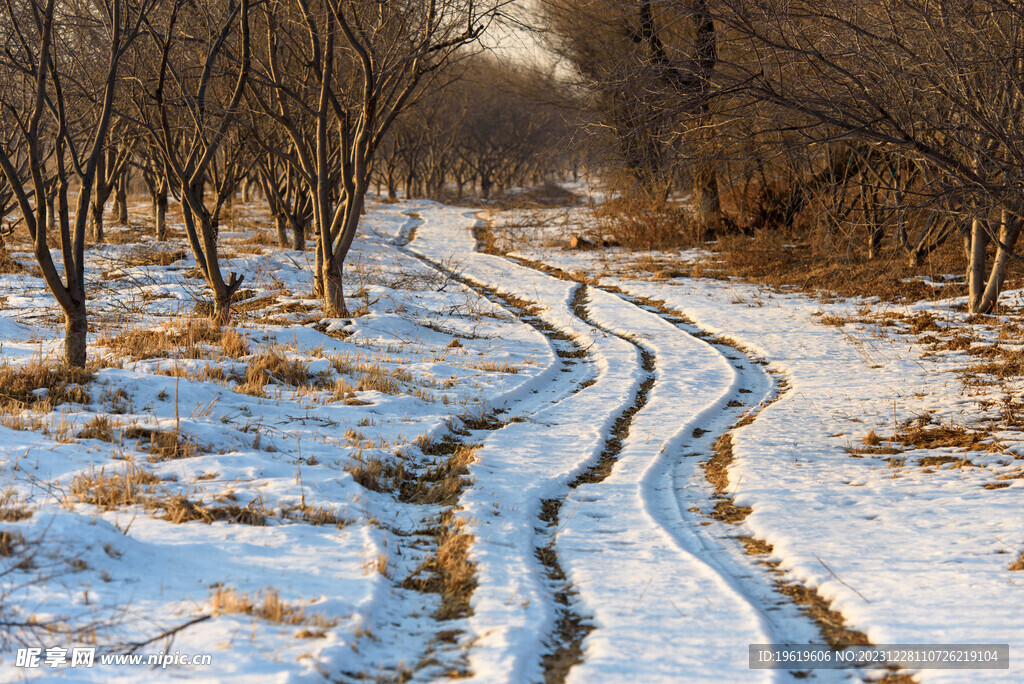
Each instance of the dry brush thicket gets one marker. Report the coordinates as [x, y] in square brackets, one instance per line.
[867, 131]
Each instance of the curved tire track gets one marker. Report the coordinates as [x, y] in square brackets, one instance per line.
[806, 615]
[656, 501]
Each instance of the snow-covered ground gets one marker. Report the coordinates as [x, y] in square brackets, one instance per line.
[293, 526]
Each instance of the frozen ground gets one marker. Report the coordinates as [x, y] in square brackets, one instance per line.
[651, 469]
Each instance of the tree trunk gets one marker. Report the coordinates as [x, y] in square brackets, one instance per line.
[76, 329]
[334, 293]
[160, 211]
[1009, 230]
[875, 243]
[97, 222]
[299, 235]
[51, 212]
[705, 192]
[221, 309]
[976, 269]
[280, 223]
[121, 199]
[877, 230]
[318, 282]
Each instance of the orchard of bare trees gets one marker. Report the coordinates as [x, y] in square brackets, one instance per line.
[887, 125]
[307, 104]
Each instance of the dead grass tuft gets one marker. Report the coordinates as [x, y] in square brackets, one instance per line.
[8, 264]
[100, 428]
[314, 515]
[149, 256]
[437, 483]
[448, 572]
[1018, 564]
[110, 490]
[10, 543]
[163, 445]
[132, 485]
[265, 605]
[193, 340]
[643, 223]
[41, 385]
[272, 367]
[11, 507]
[792, 259]
[443, 482]
[179, 509]
[376, 474]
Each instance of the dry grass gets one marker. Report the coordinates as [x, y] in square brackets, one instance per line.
[148, 256]
[643, 223]
[716, 471]
[372, 376]
[10, 543]
[128, 486]
[376, 474]
[345, 393]
[438, 481]
[12, 508]
[785, 259]
[442, 482]
[41, 385]
[163, 445]
[7, 263]
[180, 509]
[314, 515]
[133, 486]
[100, 427]
[193, 340]
[448, 572]
[1018, 564]
[919, 434]
[495, 367]
[836, 321]
[272, 367]
[265, 605]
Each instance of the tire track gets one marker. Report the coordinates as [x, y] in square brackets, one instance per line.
[571, 627]
[576, 371]
[753, 565]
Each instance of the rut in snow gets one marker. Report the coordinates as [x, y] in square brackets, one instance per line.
[572, 627]
[743, 565]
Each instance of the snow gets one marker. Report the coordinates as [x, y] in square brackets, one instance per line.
[906, 554]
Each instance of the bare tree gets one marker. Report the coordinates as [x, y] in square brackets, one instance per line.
[196, 71]
[364, 62]
[58, 82]
[109, 170]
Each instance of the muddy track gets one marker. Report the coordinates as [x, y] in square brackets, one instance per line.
[830, 625]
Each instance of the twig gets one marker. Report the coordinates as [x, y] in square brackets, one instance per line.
[136, 645]
[841, 581]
